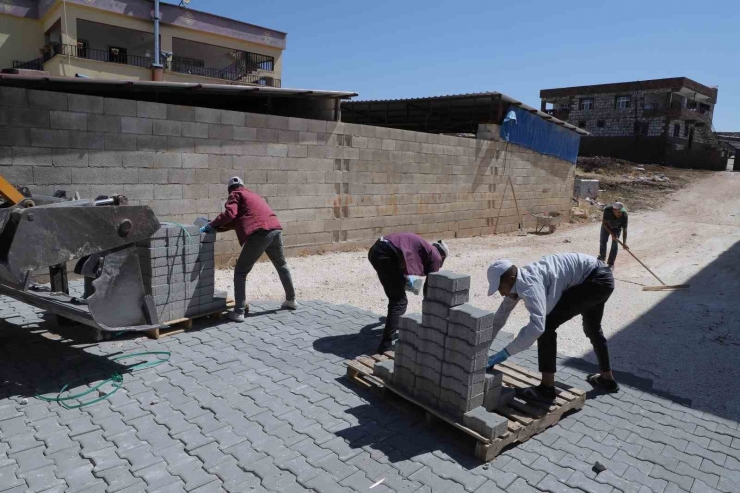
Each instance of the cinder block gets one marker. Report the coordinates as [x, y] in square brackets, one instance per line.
[498, 397]
[467, 377]
[470, 336]
[119, 142]
[384, 369]
[196, 130]
[119, 107]
[428, 360]
[47, 100]
[437, 323]
[133, 125]
[471, 317]
[465, 391]
[104, 123]
[429, 307]
[66, 120]
[84, 103]
[146, 109]
[431, 347]
[488, 424]
[449, 281]
[431, 334]
[447, 298]
[167, 127]
[403, 378]
[455, 405]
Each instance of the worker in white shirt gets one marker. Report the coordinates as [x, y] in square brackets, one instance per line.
[554, 289]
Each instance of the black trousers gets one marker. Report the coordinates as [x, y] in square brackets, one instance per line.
[385, 260]
[588, 300]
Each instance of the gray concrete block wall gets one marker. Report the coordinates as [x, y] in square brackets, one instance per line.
[333, 185]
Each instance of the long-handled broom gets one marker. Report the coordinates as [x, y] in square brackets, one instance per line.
[664, 286]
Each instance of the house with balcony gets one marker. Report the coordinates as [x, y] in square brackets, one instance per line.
[106, 39]
[652, 121]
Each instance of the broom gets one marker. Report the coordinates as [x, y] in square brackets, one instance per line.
[663, 286]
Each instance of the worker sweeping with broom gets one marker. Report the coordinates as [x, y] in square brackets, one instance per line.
[554, 290]
[401, 260]
[614, 223]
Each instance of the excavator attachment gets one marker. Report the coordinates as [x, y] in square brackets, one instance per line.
[42, 234]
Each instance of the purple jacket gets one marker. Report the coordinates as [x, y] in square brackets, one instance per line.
[420, 257]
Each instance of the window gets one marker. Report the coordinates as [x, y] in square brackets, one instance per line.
[622, 102]
[586, 104]
[600, 123]
[677, 130]
[582, 124]
[641, 128]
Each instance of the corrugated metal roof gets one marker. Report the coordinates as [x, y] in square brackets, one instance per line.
[41, 80]
[474, 95]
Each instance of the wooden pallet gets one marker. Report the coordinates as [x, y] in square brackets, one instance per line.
[181, 325]
[526, 419]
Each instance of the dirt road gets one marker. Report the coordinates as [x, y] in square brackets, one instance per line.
[684, 343]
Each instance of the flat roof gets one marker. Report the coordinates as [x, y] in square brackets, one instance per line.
[673, 84]
[454, 113]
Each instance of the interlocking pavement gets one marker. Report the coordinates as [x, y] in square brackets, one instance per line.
[263, 406]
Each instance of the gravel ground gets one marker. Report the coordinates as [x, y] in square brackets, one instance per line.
[653, 335]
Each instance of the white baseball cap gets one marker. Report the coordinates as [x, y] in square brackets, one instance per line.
[441, 244]
[619, 206]
[495, 271]
[235, 180]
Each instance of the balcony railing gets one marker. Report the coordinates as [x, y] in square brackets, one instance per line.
[37, 64]
[559, 113]
[239, 71]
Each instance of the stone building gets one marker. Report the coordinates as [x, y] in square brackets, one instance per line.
[657, 121]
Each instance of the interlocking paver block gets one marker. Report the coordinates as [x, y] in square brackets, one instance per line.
[384, 369]
[429, 307]
[488, 424]
[448, 298]
[471, 317]
[449, 281]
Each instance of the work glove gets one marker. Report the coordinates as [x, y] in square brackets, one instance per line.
[206, 229]
[497, 358]
[414, 284]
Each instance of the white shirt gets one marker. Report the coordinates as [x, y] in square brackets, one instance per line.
[541, 284]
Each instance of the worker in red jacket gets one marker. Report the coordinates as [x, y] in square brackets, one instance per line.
[258, 231]
[401, 259]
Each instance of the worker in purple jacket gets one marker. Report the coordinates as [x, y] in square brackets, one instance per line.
[401, 259]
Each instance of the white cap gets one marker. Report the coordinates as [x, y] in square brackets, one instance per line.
[443, 246]
[495, 271]
[235, 180]
[619, 206]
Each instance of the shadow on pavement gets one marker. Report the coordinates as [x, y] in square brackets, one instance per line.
[350, 346]
[687, 348]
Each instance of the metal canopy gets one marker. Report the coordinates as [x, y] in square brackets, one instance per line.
[459, 113]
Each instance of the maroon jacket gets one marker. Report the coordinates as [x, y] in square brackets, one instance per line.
[246, 212]
[420, 256]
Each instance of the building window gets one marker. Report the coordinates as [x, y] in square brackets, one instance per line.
[641, 128]
[622, 102]
[600, 123]
[586, 104]
[582, 124]
[677, 130]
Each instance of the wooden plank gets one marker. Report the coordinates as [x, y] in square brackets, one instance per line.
[573, 390]
[367, 361]
[517, 384]
[529, 382]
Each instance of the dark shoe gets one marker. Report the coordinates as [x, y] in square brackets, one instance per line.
[601, 383]
[540, 393]
[601, 258]
[385, 345]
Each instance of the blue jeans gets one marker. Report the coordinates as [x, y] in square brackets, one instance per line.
[604, 240]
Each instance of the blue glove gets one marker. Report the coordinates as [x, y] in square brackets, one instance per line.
[497, 358]
[206, 229]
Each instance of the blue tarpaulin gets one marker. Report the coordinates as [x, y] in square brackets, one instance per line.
[528, 130]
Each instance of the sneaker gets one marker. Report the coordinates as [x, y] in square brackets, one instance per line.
[235, 316]
[540, 393]
[385, 345]
[289, 305]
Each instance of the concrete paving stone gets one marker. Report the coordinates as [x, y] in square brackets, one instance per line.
[636, 439]
[462, 375]
[429, 362]
[669, 463]
[580, 452]
[471, 337]
[272, 476]
[233, 477]
[538, 447]
[655, 484]
[41, 479]
[429, 307]
[9, 478]
[471, 317]
[384, 370]
[431, 348]
[673, 454]
[410, 321]
[552, 484]
[170, 488]
[435, 322]
[325, 484]
[119, 478]
[694, 449]
[463, 390]
[449, 281]
[521, 486]
[30, 459]
[488, 424]
[193, 475]
[430, 334]
[448, 298]
[604, 450]
[476, 363]
[139, 457]
[462, 347]
[13, 426]
[659, 472]
[244, 453]
[157, 476]
[686, 470]
[611, 479]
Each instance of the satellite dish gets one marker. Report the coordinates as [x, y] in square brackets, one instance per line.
[186, 2]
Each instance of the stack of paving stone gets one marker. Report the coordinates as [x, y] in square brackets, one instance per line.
[441, 357]
[177, 265]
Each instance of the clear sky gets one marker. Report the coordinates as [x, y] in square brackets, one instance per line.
[385, 49]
